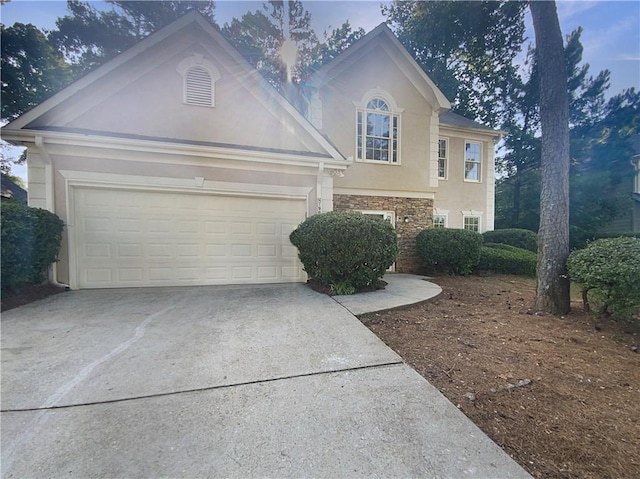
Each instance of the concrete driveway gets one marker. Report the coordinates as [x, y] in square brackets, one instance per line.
[256, 381]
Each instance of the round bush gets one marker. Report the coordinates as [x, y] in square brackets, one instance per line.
[610, 269]
[507, 259]
[448, 250]
[520, 238]
[345, 250]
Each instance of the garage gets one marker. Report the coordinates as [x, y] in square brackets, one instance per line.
[135, 238]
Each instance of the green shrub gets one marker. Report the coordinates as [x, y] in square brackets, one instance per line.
[609, 269]
[507, 259]
[449, 250]
[345, 250]
[30, 243]
[580, 241]
[517, 237]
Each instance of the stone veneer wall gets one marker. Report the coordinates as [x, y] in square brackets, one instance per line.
[419, 212]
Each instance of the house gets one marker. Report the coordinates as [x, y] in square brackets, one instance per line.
[629, 219]
[176, 163]
[12, 191]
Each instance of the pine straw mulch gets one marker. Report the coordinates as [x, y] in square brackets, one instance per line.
[560, 395]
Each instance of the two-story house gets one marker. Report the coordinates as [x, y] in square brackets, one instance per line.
[176, 163]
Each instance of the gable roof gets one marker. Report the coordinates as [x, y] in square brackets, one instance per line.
[383, 34]
[454, 120]
[247, 74]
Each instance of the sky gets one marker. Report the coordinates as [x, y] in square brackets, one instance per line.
[611, 36]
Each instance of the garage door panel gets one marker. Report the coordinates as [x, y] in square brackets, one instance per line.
[135, 238]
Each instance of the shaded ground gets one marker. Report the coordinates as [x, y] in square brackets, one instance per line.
[561, 396]
[28, 294]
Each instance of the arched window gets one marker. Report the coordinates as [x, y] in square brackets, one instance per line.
[377, 130]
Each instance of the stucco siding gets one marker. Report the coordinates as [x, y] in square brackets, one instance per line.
[459, 197]
[339, 123]
[145, 97]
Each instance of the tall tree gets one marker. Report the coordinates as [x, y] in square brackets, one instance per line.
[518, 189]
[552, 291]
[88, 36]
[466, 47]
[260, 35]
[32, 70]
[336, 42]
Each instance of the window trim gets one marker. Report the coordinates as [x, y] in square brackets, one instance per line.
[395, 115]
[479, 162]
[444, 217]
[446, 158]
[472, 216]
[189, 64]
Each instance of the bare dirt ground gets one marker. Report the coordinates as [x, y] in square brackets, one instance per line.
[560, 395]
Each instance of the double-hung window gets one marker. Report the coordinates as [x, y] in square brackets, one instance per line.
[443, 155]
[472, 160]
[471, 223]
[377, 133]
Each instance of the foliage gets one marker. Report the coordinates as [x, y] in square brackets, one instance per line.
[467, 48]
[601, 138]
[507, 259]
[345, 250]
[30, 243]
[448, 250]
[520, 238]
[259, 37]
[609, 269]
[88, 36]
[32, 69]
[336, 42]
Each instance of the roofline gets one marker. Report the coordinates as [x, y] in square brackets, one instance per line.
[154, 39]
[382, 29]
[168, 146]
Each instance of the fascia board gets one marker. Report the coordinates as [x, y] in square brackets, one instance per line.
[442, 102]
[169, 149]
[100, 72]
[482, 134]
[333, 68]
[154, 39]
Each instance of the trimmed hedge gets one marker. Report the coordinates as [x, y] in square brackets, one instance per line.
[448, 250]
[517, 237]
[507, 259]
[345, 250]
[610, 270]
[30, 243]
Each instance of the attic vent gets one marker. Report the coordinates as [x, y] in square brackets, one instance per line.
[198, 87]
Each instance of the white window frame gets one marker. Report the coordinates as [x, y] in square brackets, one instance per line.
[472, 217]
[394, 113]
[444, 220]
[445, 158]
[472, 161]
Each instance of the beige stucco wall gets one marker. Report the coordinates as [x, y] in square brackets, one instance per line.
[456, 197]
[339, 124]
[145, 97]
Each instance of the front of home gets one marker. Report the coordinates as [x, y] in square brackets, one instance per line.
[176, 163]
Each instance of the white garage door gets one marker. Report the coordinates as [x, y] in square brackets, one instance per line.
[141, 238]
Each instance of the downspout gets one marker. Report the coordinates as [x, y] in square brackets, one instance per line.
[49, 200]
[319, 186]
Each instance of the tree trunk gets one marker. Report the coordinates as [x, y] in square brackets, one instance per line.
[552, 293]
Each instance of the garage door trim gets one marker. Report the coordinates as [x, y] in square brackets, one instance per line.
[126, 183]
